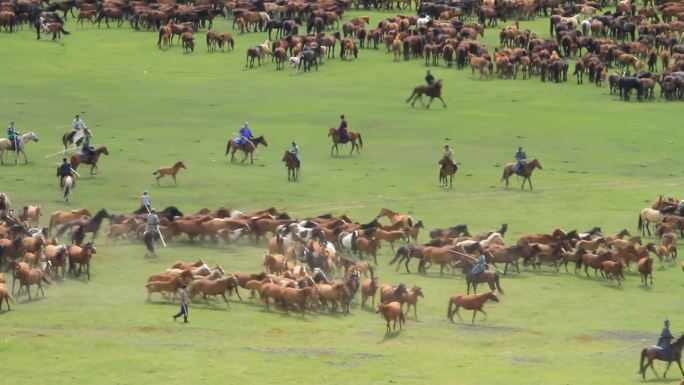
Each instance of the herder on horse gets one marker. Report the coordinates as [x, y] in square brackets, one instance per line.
[521, 157]
[87, 151]
[14, 136]
[429, 79]
[78, 130]
[479, 267]
[294, 150]
[245, 136]
[342, 131]
[151, 232]
[64, 170]
[449, 155]
[663, 344]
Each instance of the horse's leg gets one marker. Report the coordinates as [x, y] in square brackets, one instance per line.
[440, 99]
[667, 368]
[474, 313]
[174, 179]
[23, 153]
[2, 155]
[352, 150]
[251, 157]
[430, 102]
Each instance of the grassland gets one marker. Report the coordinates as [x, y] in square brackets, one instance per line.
[602, 160]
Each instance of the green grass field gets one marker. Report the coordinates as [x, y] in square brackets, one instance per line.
[603, 161]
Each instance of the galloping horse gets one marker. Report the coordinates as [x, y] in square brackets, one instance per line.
[62, 217]
[67, 186]
[469, 302]
[90, 225]
[651, 354]
[352, 136]
[525, 172]
[173, 170]
[395, 217]
[75, 137]
[292, 164]
[6, 144]
[248, 148]
[77, 159]
[447, 170]
[433, 91]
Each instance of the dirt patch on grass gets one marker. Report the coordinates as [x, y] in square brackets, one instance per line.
[623, 335]
[584, 338]
[487, 329]
[297, 351]
[525, 359]
[145, 328]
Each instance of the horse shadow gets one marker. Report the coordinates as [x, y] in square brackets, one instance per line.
[390, 336]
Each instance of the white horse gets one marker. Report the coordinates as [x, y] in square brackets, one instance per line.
[423, 21]
[347, 241]
[294, 62]
[67, 186]
[6, 144]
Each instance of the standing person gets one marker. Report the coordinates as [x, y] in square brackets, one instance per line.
[184, 301]
[64, 170]
[13, 135]
[521, 158]
[294, 150]
[342, 131]
[145, 202]
[429, 79]
[664, 340]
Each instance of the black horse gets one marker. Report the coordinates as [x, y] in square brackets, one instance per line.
[626, 84]
[91, 225]
[309, 59]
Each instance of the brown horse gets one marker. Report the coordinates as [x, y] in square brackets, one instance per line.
[433, 91]
[4, 294]
[173, 170]
[446, 172]
[28, 277]
[395, 217]
[392, 312]
[77, 159]
[469, 302]
[292, 164]
[651, 354]
[80, 256]
[352, 137]
[31, 214]
[62, 217]
[489, 277]
[525, 172]
[646, 269]
[248, 148]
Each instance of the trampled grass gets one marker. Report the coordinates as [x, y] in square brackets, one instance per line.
[603, 159]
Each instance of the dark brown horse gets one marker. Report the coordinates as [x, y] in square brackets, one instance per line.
[352, 137]
[525, 171]
[292, 164]
[488, 276]
[433, 91]
[77, 159]
[446, 172]
[248, 148]
[650, 354]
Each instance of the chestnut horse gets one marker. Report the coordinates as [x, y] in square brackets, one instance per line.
[173, 170]
[433, 91]
[525, 172]
[77, 159]
[469, 302]
[292, 164]
[80, 256]
[248, 148]
[352, 137]
[650, 354]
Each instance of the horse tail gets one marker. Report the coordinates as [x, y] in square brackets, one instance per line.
[51, 224]
[640, 224]
[410, 221]
[64, 31]
[578, 263]
[156, 172]
[450, 307]
[641, 360]
[503, 176]
[228, 146]
[360, 139]
[399, 253]
[497, 284]
[161, 33]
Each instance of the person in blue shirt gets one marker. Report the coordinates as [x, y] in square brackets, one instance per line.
[664, 340]
[13, 135]
[521, 157]
[480, 266]
[87, 150]
[429, 79]
[294, 150]
[65, 170]
[245, 134]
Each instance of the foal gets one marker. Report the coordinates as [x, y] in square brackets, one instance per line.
[173, 170]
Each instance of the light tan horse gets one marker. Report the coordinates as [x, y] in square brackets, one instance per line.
[61, 217]
[352, 137]
[525, 172]
[173, 170]
[646, 216]
[6, 144]
[31, 215]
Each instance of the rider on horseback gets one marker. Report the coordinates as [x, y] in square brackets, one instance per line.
[64, 170]
[521, 157]
[152, 229]
[87, 151]
[663, 344]
[294, 150]
[342, 131]
[78, 126]
[429, 79]
[449, 155]
[245, 135]
[14, 136]
[480, 266]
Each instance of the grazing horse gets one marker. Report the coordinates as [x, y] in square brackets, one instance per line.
[67, 186]
[6, 144]
[292, 164]
[173, 170]
[395, 217]
[651, 353]
[248, 148]
[525, 171]
[433, 91]
[446, 172]
[77, 159]
[469, 302]
[352, 137]
[647, 216]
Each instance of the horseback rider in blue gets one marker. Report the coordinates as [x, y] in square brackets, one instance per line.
[521, 157]
[87, 150]
[14, 136]
[663, 344]
[294, 150]
[245, 135]
[64, 170]
[480, 266]
[342, 131]
[429, 79]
